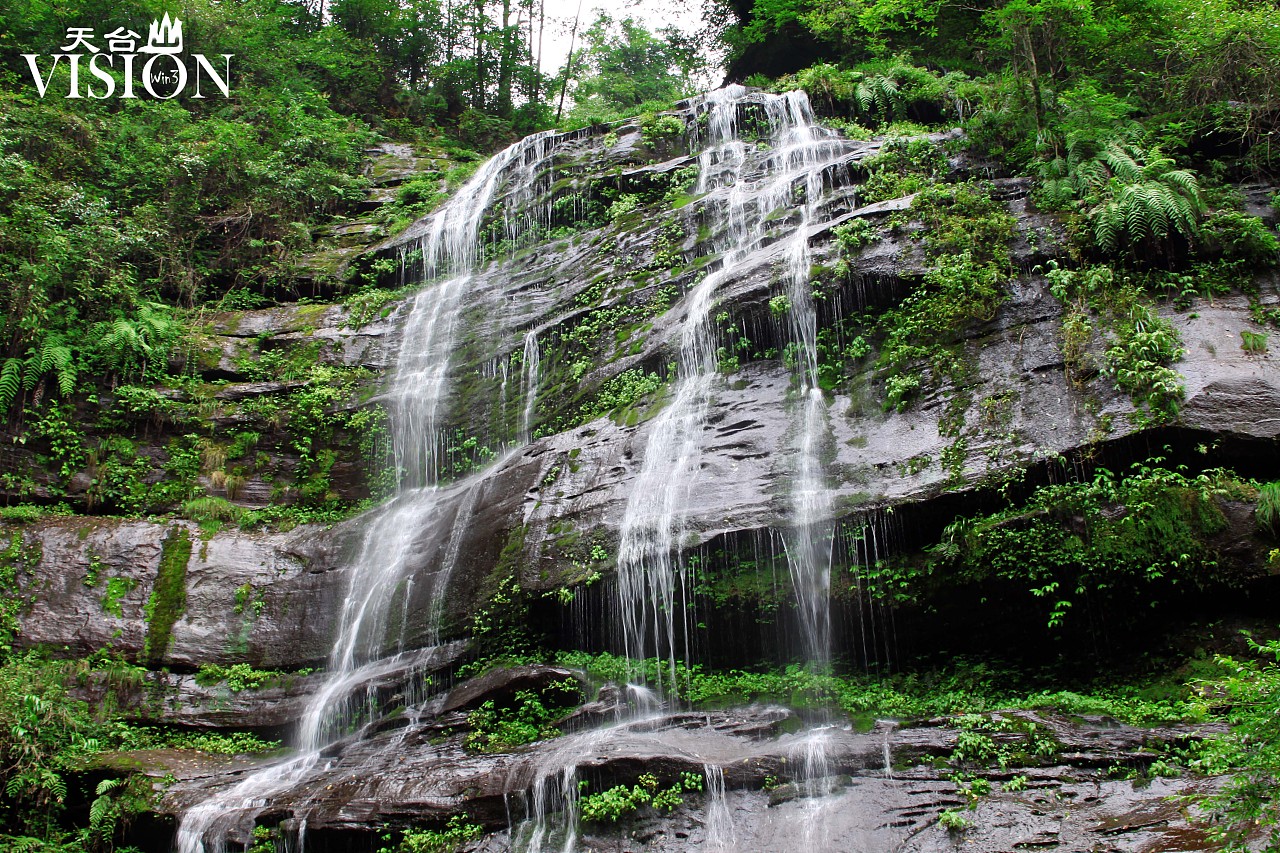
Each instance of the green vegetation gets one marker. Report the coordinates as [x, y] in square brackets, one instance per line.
[1115, 541]
[1142, 347]
[624, 70]
[528, 718]
[449, 838]
[1247, 803]
[49, 739]
[965, 688]
[168, 594]
[966, 236]
[620, 801]
[241, 676]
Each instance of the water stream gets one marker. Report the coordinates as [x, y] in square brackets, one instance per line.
[389, 561]
[764, 165]
[744, 182]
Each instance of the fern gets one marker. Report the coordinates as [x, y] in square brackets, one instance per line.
[1142, 198]
[210, 508]
[10, 382]
[877, 95]
[131, 344]
[50, 356]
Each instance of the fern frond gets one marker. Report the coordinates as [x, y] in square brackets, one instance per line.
[1122, 163]
[106, 786]
[10, 382]
[1108, 225]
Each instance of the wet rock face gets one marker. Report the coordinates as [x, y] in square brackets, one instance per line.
[564, 493]
[263, 598]
[901, 814]
[882, 790]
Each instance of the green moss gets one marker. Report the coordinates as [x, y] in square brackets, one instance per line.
[117, 588]
[168, 598]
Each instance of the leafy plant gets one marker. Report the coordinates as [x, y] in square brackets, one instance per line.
[1253, 342]
[1248, 803]
[619, 801]
[1137, 197]
[529, 718]
[238, 676]
[954, 821]
[447, 839]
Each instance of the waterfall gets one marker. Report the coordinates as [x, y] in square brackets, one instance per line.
[742, 188]
[759, 155]
[810, 566]
[719, 819]
[532, 368]
[391, 547]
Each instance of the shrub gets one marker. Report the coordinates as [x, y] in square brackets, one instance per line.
[1267, 512]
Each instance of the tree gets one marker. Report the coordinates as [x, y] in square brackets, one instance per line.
[626, 65]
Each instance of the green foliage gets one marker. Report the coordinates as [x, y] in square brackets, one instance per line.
[117, 588]
[447, 839]
[499, 626]
[168, 598]
[16, 560]
[871, 98]
[853, 236]
[964, 688]
[43, 730]
[529, 718]
[624, 67]
[954, 822]
[620, 801]
[218, 743]
[238, 676]
[966, 235]
[661, 133]
[1141, 198]
[117, 803]
[622, 392]
[1015, 784]
[903, 166]
[139, 345]
[623, 205]
[1143, 347]
[1109, 539]
[1267, 511]
[1248, 805]
[1253, 342]
[1143, 344]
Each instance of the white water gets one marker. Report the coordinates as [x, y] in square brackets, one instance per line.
[743, 188]
[532, 375]
[396, 535]
[719, 819]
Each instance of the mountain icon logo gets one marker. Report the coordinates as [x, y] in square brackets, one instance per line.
[165, 36]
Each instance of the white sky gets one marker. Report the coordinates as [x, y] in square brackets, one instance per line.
[685, 15]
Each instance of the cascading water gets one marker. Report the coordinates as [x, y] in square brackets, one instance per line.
[758, 193]
[394, 534]
[719, 821]
[652, 586]
[742, 187]
[532, 368]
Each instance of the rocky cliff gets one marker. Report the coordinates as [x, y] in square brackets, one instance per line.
[571, 329]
